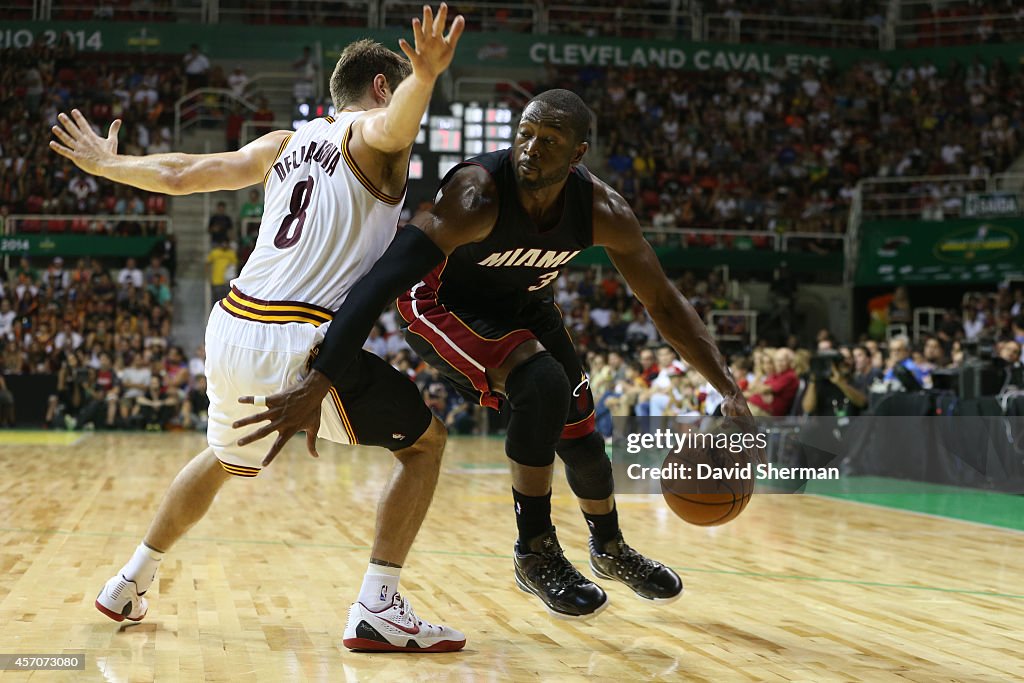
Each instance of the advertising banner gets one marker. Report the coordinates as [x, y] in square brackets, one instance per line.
[76, 245]
[947, 252]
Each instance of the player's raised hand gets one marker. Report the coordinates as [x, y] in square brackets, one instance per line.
[433, 50]
[76, 140]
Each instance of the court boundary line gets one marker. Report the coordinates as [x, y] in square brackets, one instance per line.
[932, 515]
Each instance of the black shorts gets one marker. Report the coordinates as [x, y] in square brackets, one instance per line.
[380, 406]
[462, 342]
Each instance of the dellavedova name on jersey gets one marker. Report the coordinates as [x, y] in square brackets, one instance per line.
[325, 153]
[528, 258]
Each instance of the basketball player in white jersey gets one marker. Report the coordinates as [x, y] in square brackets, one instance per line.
[334, 190]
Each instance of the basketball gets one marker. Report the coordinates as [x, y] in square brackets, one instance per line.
[714, 484]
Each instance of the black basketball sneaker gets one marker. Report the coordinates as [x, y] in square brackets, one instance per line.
[649, 579]
[542, 569]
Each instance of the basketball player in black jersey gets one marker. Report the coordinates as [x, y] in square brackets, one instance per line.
[473, 280]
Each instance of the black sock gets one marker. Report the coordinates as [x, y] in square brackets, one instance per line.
[603, 528]
[533, 515]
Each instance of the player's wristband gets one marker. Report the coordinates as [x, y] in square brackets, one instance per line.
[411, 256]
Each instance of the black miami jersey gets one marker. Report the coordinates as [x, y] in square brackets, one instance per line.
[518, 261]
[487, 298]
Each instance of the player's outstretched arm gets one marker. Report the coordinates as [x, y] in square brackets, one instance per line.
[618, 231]
[465, 212]
[396, 127]
[173, 173]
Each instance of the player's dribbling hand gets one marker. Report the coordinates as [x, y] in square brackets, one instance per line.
[736, 406]
[80, 143]
[433, 50]
[295, 409]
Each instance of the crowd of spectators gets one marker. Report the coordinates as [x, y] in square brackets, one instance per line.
[782, 151]
[39, 82]
[106, 336]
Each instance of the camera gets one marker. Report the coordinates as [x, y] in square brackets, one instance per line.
[821, 364]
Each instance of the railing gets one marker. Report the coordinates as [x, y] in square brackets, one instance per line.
[714, 238]
[517, 17]
[306, 12]
[979, 28]
[677, 20]
[919, 197]
[925, 320]
[86, 224]
[83, 10]
[205, 104]
[809, 30]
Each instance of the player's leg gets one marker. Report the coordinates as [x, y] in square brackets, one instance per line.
[379, 406]
[185, 503]
[406, 497]
[231, 372]
[486, 357]
[589, 473]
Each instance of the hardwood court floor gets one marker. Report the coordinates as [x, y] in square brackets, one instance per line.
[799, 588]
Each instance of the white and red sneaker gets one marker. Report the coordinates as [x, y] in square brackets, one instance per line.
[120, 599]
[396, 628]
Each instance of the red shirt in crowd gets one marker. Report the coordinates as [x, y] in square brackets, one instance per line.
[783, 386]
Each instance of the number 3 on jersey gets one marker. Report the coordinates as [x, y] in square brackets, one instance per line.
[545, 280]
[291, 227]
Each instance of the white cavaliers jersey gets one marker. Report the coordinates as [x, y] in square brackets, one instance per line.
[324, 223]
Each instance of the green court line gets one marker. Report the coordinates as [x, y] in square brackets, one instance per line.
[496, 556]
[969, 505]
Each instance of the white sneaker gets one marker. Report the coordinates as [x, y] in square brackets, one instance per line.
[120, 599]
[397, 629]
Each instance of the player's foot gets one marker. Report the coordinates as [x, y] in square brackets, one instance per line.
[542, 569]
[120, 599]
[396, 628]
[649, 579]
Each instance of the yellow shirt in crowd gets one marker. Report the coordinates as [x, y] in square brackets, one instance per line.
[219, 259]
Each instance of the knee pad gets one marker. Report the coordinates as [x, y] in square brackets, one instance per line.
[538, 391]
[587, 467]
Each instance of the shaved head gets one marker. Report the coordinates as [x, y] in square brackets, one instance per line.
[561, 109]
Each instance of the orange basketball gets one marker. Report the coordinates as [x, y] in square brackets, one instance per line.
[712, 485]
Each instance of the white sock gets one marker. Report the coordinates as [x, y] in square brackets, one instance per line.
[379, 586]
[142, 567]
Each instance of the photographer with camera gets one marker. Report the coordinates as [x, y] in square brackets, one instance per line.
[71, 396]
[831, 387]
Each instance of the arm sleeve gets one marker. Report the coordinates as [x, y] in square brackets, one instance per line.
[411, 256]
